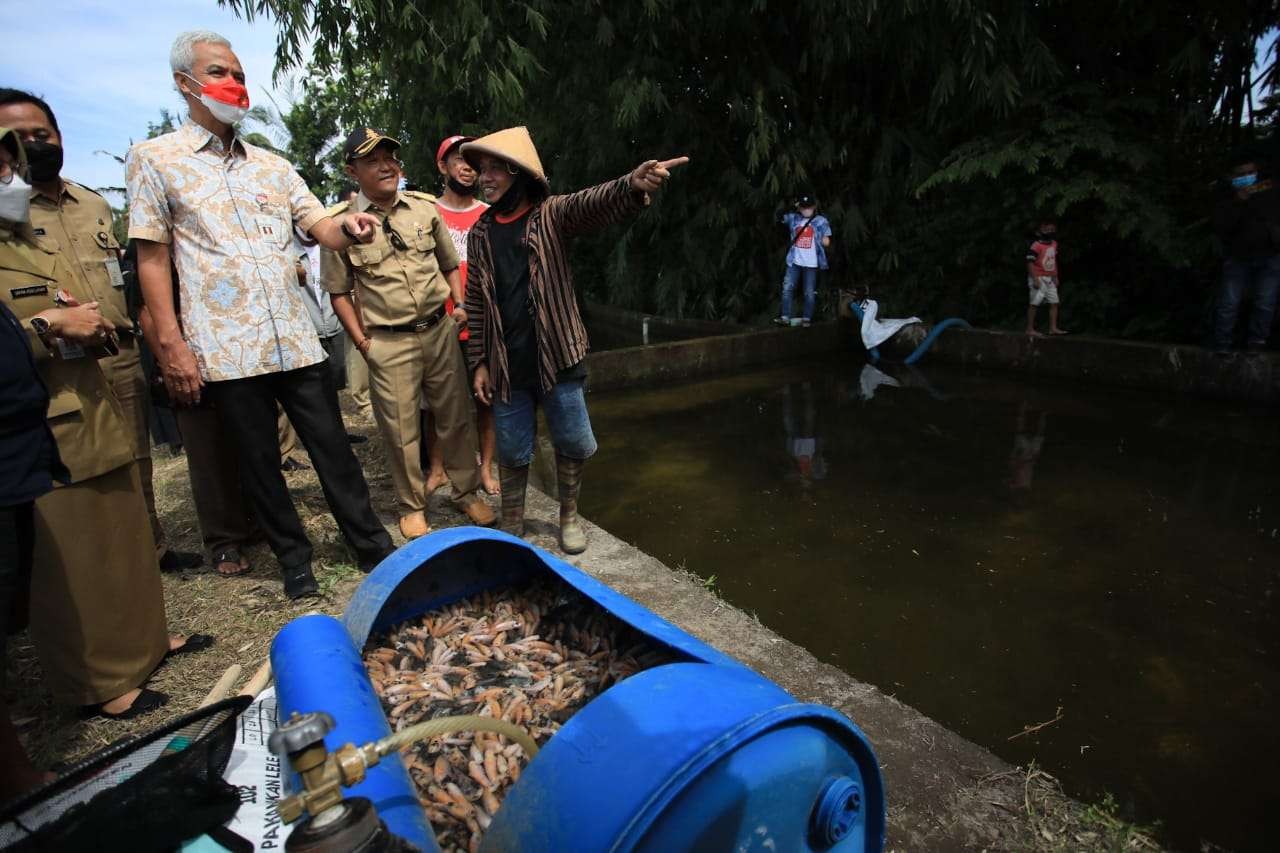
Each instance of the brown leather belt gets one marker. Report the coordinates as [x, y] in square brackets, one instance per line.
[417, 325]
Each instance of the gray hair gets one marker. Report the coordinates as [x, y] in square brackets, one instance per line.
[182, 54]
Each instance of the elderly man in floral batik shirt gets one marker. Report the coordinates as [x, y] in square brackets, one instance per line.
[225, 211]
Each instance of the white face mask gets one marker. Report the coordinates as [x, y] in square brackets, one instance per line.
[15, 200]
[225, 113]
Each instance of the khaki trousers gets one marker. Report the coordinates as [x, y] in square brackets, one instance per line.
[97, 607]
[214, 468]
[129, 384]
[357, 376]
[403, 368]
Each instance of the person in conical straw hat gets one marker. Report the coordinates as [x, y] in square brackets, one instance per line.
[527, 345]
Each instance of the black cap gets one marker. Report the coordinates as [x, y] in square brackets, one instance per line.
[363, 140]
[806, 201]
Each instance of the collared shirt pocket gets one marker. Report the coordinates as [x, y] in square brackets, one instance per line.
[109, 258]
[271, 220]
[64, 401]
[423, 241]
[366, 256]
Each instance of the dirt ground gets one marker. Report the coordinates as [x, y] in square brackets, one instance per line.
[944, 793]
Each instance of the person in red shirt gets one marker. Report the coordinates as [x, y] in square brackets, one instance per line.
[1042, 277]
[460, 209]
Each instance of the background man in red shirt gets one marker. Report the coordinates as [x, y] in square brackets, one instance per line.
[459, 208]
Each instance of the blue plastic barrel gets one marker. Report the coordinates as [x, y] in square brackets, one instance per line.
[316, 668]
[696, 757]
[700, 753]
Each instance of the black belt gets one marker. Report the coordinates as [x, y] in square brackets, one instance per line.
[417, 325]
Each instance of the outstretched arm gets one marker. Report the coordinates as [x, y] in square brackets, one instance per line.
[605, 204]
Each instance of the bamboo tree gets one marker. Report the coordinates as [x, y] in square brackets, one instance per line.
[932, 131]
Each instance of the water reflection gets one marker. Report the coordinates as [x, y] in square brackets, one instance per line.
[803, 445]
[1028, 442]
[1137, 589]
[872, 378]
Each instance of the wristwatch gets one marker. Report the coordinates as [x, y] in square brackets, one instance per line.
[347, 231]
[41, 326]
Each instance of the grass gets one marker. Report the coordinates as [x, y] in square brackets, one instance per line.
[1047, 819]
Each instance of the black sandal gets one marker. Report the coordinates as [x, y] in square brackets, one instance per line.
[230, 555]
[195, 643]
[146, 702]
[180, 561]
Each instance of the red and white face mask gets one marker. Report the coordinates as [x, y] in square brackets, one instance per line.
[226, 99]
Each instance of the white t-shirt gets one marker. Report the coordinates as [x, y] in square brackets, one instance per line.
[806, 250]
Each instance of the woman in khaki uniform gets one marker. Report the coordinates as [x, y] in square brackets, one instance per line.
[97, 608]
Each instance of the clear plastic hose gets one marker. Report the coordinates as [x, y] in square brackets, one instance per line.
[449, 725]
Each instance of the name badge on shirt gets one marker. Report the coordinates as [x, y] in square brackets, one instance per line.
[113, 270]
[270, 228]
[68, 350]
[29, 290]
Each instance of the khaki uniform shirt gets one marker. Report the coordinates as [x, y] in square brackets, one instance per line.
[395, 287]
[85, 417]
[228, 216]
[78, 225]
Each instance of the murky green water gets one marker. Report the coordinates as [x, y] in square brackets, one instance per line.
[991, 551]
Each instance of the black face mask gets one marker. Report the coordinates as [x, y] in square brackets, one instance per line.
[459, 187]
[513, 196]
[44, 159]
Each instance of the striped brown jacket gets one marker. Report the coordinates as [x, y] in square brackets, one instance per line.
[561, 336]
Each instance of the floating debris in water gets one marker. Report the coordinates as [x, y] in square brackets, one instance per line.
[532, 657]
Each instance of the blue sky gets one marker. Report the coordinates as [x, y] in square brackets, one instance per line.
[103, 65]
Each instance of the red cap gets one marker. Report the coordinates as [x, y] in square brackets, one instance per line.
[449, 143]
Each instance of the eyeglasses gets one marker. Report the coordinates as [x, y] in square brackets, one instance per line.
[394, 236]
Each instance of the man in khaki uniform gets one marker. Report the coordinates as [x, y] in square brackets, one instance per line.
[403, 278]
[77, 221]
[97, 609]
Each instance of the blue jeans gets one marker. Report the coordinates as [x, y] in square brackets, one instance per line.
[789, 287]
[1239, 277]
[516, 423]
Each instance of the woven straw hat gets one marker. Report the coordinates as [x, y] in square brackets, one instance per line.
[514, 145]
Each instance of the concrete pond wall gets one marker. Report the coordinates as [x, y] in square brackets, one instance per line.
[1164, 368]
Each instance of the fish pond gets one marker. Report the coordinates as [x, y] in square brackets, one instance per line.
[999, 553]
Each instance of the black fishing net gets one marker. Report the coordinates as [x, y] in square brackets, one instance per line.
[151, 793]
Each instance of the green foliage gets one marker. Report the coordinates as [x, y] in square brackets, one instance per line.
[120, 224]
[308, 125]
[933, 133]
[169, 122]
